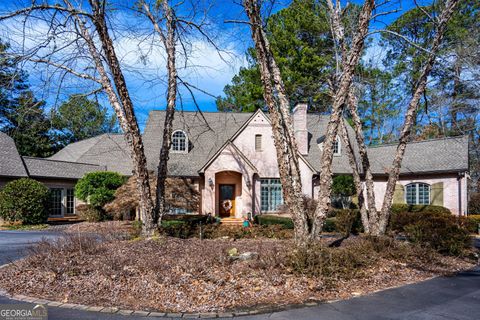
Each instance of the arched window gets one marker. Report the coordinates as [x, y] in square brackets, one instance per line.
[417, 193]
[337, 147]
[179, 141]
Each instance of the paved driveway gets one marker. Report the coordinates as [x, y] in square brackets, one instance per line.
[14, 244]
[455, 297]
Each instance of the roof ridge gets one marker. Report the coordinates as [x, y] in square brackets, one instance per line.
[415, 142]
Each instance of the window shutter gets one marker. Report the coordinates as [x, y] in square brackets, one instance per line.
[437, 194]
[399, 194]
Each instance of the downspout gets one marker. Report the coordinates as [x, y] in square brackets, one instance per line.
[459, 179]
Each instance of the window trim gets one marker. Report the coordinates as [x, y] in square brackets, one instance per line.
[172, 144]
[339, 148]
[417, 193]
[259, 149]
[269, 186]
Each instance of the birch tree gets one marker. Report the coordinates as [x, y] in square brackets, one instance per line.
[279, 111]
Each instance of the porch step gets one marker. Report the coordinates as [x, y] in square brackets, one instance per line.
[231, 221]
[65, 220]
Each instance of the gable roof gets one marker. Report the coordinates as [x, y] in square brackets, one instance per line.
[206, 136]
[11, 164]
[109, 150]
[47, 168]
[229, 143]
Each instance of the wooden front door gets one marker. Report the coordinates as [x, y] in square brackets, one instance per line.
[226, 203]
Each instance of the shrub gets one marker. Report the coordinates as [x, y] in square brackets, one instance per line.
[90, 213]
[24, 200]
[329, 225]
[440, 231]
[474, 204]
[266, 219]
[472, 222]
[253, 232]
[348, 221]
[98, 188]
[343, 188]
[398, 208]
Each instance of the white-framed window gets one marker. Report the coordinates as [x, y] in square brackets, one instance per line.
[56, 201]
[179, 141]
[270, 194]
[417, 193]
[337, 147]
[70, 201]
[258, 142]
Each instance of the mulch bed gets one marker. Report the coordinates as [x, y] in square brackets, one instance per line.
[192, 275]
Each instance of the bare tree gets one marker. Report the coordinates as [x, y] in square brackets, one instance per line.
[279, 111]
[341, 88]
[376, 222]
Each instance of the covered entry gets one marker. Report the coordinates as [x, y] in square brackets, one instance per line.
[228, 193]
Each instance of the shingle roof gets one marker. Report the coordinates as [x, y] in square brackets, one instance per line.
[436, 155]
[47, 168]
[109, 150]
[11, 164]
[208, 133]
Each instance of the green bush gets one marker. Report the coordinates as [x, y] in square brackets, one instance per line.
[266, 219]
[398, 208]
[343, 188]
[98, 188]
[90, 213]
[472, 222]
[329, 225]
[442, 232]
[24, 200]
[474, 204]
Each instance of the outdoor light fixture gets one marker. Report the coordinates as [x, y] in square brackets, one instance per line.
[210, 182]
[247, 182]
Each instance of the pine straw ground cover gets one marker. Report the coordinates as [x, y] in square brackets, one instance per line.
[193, 275]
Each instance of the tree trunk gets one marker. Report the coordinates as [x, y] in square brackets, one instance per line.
[339, 99]
[279, 112]
[130, 125]
[169, 43]
[410, 116]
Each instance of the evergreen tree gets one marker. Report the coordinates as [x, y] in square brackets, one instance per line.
[80, 118]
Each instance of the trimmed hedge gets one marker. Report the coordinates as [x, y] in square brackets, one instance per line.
[398, 208]
[266, 220]
[472, 222]
[24, 200]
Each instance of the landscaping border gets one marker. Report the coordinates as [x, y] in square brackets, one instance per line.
[187, 315]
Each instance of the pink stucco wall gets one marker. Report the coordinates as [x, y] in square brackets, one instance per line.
[264, 162]
[450, 189]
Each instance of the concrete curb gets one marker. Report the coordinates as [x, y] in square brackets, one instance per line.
[157, 314]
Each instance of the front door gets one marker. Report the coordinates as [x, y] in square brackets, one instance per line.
[227, 200]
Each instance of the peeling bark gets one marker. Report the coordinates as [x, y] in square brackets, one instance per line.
[411, 113]
[350, 62]
[282, 128]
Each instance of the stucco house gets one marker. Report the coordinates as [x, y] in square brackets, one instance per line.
[231, 159]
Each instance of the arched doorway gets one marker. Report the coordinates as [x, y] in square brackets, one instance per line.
[228, 192]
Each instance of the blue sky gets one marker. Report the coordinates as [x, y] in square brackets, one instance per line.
[144, 67]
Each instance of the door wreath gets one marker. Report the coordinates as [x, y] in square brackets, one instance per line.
[227, 205]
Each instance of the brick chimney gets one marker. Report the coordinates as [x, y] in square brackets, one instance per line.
[300, 127]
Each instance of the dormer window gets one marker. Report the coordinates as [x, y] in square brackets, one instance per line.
[179, 141]
[258, 142]
[337, 147]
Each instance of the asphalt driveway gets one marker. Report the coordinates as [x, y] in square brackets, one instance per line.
[456, 297]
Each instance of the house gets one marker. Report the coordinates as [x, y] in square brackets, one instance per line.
[231, 159]
[59, 176]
